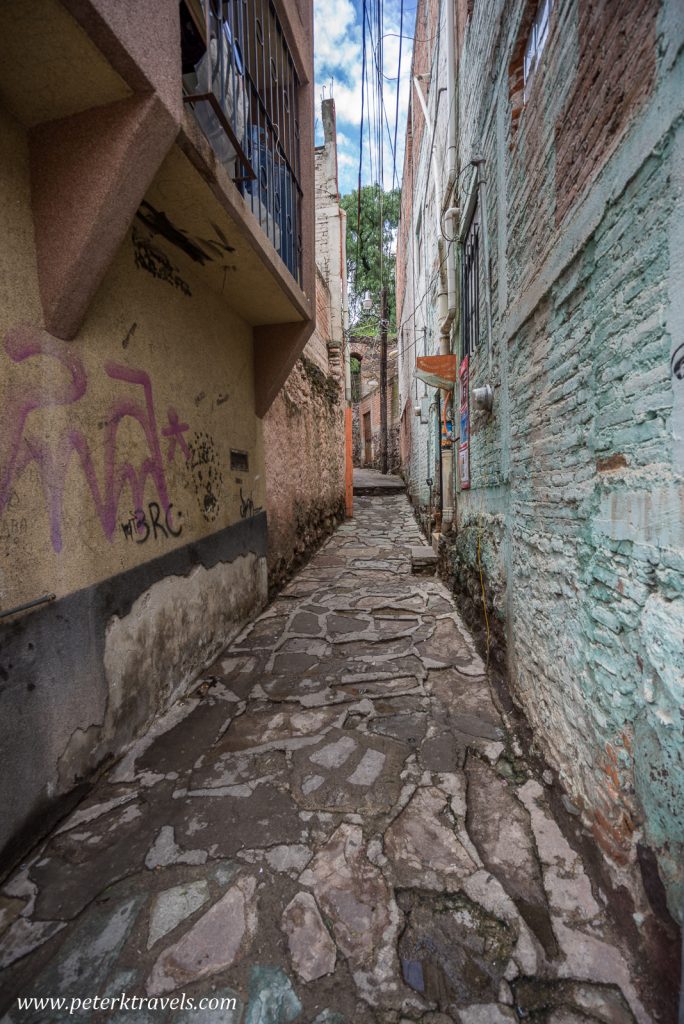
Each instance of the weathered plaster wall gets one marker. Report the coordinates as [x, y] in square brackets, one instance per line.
[368, 351]
[124, 455]
[577, 491]
[304, 429]
[304, 438]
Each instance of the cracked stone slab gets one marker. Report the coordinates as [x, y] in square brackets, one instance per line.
[447, 646]
[312, 951]
[89, 952]
[573, 1000]
[176, 750]
[272, 998]
[78, 864]
[452, 951]
[219, 769]
[565, 880]
[289, 860]
[423, 847]
[226, 824]
[508, 853]
[219, 939]
[259, 729]
[354, 895]
[351, 771]
[24, 936]
[174, 905]
[165, 851]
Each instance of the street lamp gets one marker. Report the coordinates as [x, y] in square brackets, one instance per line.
[367, 302]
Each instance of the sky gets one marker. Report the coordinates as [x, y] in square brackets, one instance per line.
[338, 59]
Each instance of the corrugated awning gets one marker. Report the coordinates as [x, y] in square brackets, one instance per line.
[437, 371]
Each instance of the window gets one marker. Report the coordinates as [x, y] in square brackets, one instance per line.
[470, 286]
[239, 461]
[536, 40]
[240, 79]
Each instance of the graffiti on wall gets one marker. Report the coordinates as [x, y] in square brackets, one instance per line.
[247, 506]
[62, 383]
[140, 524]
[205, 465]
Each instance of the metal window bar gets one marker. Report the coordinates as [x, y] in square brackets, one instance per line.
[244, 92]
[471, 290]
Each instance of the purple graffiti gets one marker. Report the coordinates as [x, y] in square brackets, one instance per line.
[59, 379]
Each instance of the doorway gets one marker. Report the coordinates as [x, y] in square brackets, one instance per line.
[367, 443]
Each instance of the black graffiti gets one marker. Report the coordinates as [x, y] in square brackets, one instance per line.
[141, 525]
[677, 363]
[247, 507]
[157, 263]
[157, 222]
[131, 331]
[205, 466]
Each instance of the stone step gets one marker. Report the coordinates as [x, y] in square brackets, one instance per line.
[372, 482]
[423, 561]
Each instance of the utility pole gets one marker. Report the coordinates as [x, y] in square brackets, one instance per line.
[383, 378]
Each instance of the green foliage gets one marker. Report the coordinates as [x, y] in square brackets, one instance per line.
[376, 236]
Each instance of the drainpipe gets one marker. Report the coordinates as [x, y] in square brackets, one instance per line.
[479, 162]
[449, 215]
[433, 154]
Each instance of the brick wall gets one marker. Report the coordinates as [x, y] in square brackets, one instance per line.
[304, 428]
[577, 490]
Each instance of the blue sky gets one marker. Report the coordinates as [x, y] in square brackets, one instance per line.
[338, 57]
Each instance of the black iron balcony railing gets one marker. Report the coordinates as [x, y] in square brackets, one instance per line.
[239, 78]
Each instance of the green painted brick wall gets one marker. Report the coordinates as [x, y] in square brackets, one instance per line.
[577, 492]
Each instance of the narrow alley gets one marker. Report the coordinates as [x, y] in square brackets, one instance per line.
[337, 825]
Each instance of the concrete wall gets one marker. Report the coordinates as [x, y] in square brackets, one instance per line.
[577, 491]
[117, 496]
[132, 478]
[304, 428]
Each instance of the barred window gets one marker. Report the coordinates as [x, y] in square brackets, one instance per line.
[470, 286]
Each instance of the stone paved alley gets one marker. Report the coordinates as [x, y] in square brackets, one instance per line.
[336, 826]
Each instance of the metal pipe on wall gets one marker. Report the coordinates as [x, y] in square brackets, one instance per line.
[449, 213]
[479, 161]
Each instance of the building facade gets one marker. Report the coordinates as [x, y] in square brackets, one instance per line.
[542, 237]
[304, 430]
[158, 285]
[367, 403]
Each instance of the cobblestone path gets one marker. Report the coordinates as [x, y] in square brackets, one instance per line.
[336, 826]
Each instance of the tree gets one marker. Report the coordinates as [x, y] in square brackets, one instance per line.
[375, 236]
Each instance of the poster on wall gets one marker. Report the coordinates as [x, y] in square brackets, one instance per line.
[464, 435]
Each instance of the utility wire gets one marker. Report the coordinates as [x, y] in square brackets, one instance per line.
[358, 194]
[396, 112]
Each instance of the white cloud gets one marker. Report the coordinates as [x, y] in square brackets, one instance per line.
[338, 65]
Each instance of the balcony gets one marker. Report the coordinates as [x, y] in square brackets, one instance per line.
[240, 80]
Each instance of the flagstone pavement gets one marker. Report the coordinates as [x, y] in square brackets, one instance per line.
[337, 825]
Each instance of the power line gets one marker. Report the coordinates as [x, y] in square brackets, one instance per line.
[396, 113]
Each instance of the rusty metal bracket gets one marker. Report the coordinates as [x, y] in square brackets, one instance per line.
[25, 607]
[211, 99]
